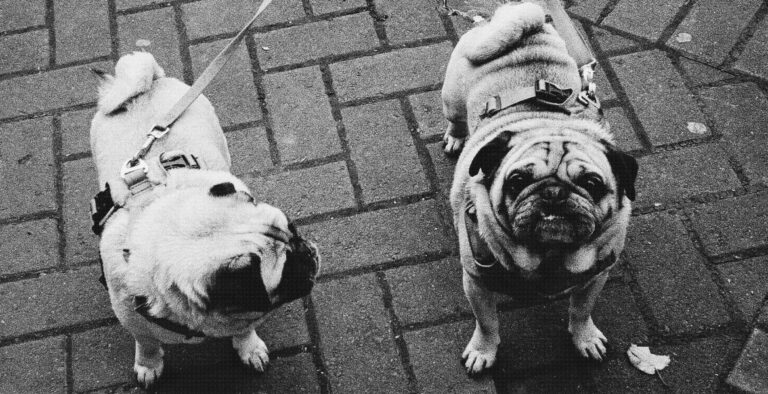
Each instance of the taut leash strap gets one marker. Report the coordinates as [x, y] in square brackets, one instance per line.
[576, 43]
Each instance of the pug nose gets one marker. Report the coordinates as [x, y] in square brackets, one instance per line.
[554, 194]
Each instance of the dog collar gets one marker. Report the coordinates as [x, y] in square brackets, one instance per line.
[545, 94]
[137, 181]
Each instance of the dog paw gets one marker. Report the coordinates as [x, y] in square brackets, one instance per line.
[453, 145]
[147, 376]
[252, 351]
[588, 339]
[480, 353]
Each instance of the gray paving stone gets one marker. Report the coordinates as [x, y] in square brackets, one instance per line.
[696, 367]
[24, 51]
[435, 354]
[533, 337]
[428, 109]
[370, 238]
[751, 369]
[34, 367]
[157, 26]
[307, 192]
[285, 327]
[753, 58]
[28, 168]
[80, 185]
[739, 113]
[733, 224]
[102, 357]
[249, 150]
[605, 91]
[383, 150]
[646, 19]
[589, 9]
[700, 73]
[390, 72]
[746, 284]
[714, 27]
[76, 131]
[32, 14]
[232, 93]
[674, 280]
[679, 174]
[28, 246]
[301, 116]
[326, 6]
[211, 17]
[127, 4]
[410, 20]
[81, 35]
[428, 292]
[286, 375]
[67, 298]
[662, 102]
[49, 90]
[355, 332]
[309, 41]
[622, 129]
[610, 42]
[444, 167]
[568, 378]
[618, 317]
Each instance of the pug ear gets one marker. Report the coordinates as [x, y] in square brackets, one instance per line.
[489, 157]
[241, 288]
[624, 169]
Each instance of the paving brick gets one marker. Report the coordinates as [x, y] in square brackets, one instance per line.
[31, 14]
[679, 174]
[444, 167]
[732, 224]
[232, 92]
[410, 20]
[34, 367]
[751, 369]
[301, 116]
[383, 150]
[428, 109]
[461, 24]
[391, 72]
[67, 298]
[589, 9]
[746, 284]
[157, 26]
[714, 27]
[696, 367]
[610, 42]
[211, 17]
[645, 19]
[618, 317]
[102, 357]
[622, 129]
[605, 91]
[24, 51]
[325, 6]
[298, 44]
[76, 131]
[355, 332]
[435, 354]
[28, 246]
[368, 238]
[80, 185]
[674, 280]
[28, 167]
[307, 192]
[49, 90]
[287, 375]
[428, 292]
[285, 327]
[81, 35]
[249, 149]
[127, 4]
[739, 113]
[700, 73]
[662, 102]
[566, 378]
[753, 57]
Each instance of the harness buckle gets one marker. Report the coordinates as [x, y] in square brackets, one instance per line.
[158, 131]
[134, 173]
[551, 94]
[588, 97]
[492, 107]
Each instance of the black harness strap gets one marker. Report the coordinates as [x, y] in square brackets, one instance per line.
[141, 307]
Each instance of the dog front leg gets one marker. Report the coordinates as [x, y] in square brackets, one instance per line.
[252, 350]
[148, 360]
[480, 353]
[589, 340]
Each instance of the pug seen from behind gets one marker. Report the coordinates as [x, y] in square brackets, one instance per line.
[541, 195]
[187, 253]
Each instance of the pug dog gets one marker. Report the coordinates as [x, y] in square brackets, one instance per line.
[187, 253]
[541, 194]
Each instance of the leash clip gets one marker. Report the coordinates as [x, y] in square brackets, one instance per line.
[134, 172]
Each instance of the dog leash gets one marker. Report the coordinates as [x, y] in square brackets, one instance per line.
[577, 45]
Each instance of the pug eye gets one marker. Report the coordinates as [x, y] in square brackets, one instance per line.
[594, 185]
[518, 180]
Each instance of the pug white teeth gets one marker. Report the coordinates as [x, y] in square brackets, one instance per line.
[550, 217]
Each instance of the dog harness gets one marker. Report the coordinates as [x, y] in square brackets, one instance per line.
[548, 283]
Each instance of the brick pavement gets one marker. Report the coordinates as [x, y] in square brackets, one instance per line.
[336, 103]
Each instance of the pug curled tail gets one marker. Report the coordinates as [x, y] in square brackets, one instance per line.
[134, 74]
[504, 30]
